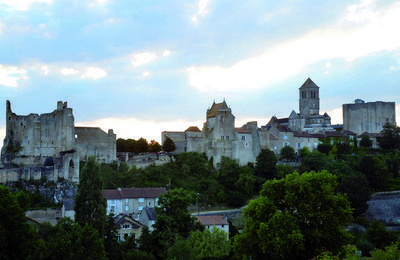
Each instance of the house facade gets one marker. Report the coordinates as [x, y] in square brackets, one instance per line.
[214, 221]
[127, 226]
[131, 200]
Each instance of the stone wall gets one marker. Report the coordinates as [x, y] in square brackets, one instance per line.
[368, 117]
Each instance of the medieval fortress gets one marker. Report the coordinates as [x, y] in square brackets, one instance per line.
[50, 146]
[219, 137]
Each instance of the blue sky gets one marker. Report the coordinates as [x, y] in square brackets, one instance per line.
[142, 67]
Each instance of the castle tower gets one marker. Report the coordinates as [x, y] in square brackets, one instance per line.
[309, 99]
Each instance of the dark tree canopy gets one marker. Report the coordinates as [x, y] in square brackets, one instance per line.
[390, 138]
[89, 204]
[168, 145]
[17, 238]
[287, 153]
[366, 141]
[154, 146]
[266, 164]
[297, 217]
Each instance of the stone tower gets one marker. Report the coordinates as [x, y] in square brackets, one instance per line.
[309, 99]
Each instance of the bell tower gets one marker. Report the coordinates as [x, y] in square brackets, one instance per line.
[309, 99]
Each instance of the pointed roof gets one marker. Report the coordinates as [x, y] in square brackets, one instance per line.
[309, 84]
[193, 129]
[212, 112]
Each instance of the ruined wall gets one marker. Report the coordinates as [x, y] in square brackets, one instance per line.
[92, 141]
[368, 117]
[178, 138]
[42, 135]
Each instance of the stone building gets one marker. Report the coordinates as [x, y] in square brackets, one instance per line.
[52, 140]
[219, 137]
[361, 117]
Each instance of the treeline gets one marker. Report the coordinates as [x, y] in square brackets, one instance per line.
[137, 146]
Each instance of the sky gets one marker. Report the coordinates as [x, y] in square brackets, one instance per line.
[143, 67]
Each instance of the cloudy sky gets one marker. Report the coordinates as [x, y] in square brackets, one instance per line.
[142, 67]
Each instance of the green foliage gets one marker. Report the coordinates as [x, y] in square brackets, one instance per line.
[168, 145]
[89, 204]
[314, 161]
[376, 172]
[358, 193]
[389, 252]
[366, 141]
[390, 138]
[283, 171]
[304, 152]
[111, 245]
[378, 235]
[114, 176]
[287, 153]
[17, 238]
[24, 200]
[69, 240]
[265, 166]
[154, 146]
[212, 243]
[295, 218]
[181, 250]
[173, 221]
[238, 182]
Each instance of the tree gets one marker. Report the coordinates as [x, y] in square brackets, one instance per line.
[390, 138]
[17, 238]
[314, 161]
[266, 165]
[173, 220]
[71, 241]
[357, 189]
[297, 217]
[141, 146]
[168, 145]
[366, 141]
[154, 146]
[287, 153]
[212, 243]
[90, 205]
[378, 235]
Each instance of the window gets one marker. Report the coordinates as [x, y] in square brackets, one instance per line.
[156, 201]
[140, 208]
[119, 237]
[243, 137]
[112, 209]
[126, 226]
[222, 138]
[141, 200]
[126, 201]
[221, 119]
[298, 145]
[227, 137]
[285, 137]
[126, 208]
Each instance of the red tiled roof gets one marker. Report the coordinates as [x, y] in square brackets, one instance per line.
[213, 110]
[243, 130]
[212, 220]
[193, 129]
[126, 193]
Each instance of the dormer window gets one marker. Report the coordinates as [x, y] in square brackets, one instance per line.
[126, 226]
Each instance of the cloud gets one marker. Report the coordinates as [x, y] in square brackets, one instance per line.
[202, 10]
[135, 127]
[23, 5]
[10, 75]
[68, 71]
[94, 73]
[1, 27]
[364, 10]
[143, 58]
[145, 74]
[286, 59]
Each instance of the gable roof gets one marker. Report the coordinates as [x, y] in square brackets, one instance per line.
[151, 214]
[309, 84]
[212, 220]
[127, 193]
[243, 130]
[121, 219]
[212, 112]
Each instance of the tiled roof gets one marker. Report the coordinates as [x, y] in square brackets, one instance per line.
[371, 135]
[213, 110]
[126, 193]
[243, 130]
[212, 220]
[303, 134]
[273, 137]
[151, 214]
[121, 219]
[309, 84]
[193, 129]
[340, 133]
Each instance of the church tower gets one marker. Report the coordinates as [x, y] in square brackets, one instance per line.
[309, 99]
